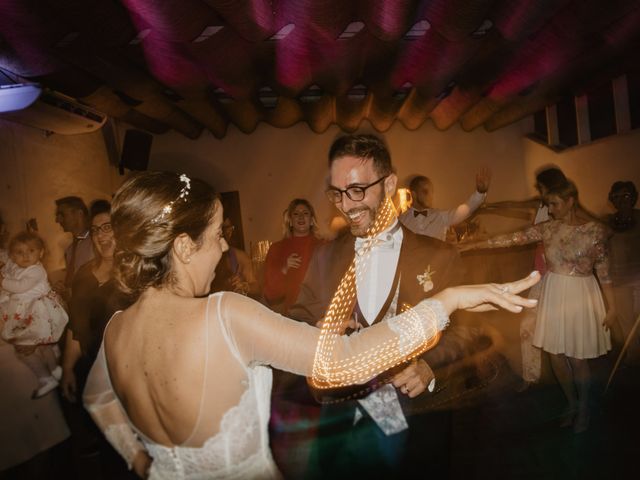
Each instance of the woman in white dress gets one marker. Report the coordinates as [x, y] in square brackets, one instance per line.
[180, 386]
[573, 321]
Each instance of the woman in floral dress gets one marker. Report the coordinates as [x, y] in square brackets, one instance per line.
[572, 323]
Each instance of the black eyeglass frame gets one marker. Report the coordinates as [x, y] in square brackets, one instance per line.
[104, 228]
[332, 192]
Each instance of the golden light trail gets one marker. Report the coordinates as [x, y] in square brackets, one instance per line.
[415, 335]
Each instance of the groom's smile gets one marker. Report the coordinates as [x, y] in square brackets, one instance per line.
[348, 172]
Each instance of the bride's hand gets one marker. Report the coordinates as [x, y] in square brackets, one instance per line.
[141, 464]
[489, 296]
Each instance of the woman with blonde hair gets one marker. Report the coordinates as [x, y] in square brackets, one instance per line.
[572, 322]
[288, 259]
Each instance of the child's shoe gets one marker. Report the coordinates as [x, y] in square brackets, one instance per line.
[45, 385]
[57, 373]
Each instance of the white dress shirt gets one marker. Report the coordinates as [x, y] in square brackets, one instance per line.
[434, 222]
[374, 275]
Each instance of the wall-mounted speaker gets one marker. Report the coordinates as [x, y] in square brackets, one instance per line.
[136, 148]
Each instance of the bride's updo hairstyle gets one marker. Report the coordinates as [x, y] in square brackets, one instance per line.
[148, 212]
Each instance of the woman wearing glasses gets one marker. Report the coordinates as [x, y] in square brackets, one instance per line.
[88, 313]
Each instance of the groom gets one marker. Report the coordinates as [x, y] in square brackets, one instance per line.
[374, 435]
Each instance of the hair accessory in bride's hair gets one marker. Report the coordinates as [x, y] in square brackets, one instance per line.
[168, 208]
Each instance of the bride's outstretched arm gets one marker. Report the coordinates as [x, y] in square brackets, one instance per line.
[265, 337]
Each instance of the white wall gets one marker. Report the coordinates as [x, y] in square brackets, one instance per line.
[36, 169]
[271, 166]
[593, 167]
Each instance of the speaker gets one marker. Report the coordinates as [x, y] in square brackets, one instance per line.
[135, 150]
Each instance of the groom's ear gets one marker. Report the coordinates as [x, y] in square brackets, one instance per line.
[390, 184]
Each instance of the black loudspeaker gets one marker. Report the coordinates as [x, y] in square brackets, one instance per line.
[135, 150]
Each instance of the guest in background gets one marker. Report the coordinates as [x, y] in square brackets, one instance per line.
[86, 284]
[285, 267]
[288, 259]
[572, 322]
[235, 273]
[625, 263]
[423, 219]
[32, 312]
[549, 178]
[73, 216]
[92, 290]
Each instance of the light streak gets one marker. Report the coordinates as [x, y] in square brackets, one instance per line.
[415, 335]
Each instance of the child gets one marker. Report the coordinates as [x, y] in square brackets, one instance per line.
[33, 316]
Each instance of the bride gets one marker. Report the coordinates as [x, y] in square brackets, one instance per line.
[180, 386]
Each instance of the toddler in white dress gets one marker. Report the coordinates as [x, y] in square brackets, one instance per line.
[32, 315]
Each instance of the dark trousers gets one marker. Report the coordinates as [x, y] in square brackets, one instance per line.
[345, 450]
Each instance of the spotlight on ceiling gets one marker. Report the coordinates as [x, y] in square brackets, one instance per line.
[207, 33]
[352, 30]
[283, 32]
[268, 98]
[418, 30]
[18, 96]
[483, 29]
[403, 91]
[140, 36]
[357, 92]
[311, 94]
[221, 96]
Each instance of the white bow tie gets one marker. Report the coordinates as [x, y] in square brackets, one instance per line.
[385, 241]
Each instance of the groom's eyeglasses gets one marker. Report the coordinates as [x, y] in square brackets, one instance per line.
[354, 193]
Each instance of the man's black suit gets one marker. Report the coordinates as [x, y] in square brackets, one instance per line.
[344, 449]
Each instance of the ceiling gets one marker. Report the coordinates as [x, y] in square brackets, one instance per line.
[196, 65]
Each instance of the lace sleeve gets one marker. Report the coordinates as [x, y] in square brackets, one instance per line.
[102, 404]
[264, 337]
[600, 245]
[532, 234]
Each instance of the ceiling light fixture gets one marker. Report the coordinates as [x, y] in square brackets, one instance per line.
[140, 36]
[283, 32]
[483, 29]
[268, 97]
[352, 30]
[207, 33]
[357, 92]
[222, 96]
[311, 94]
[403, 91]
[420, 29]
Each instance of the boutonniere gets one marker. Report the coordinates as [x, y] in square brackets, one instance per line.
[425, 279]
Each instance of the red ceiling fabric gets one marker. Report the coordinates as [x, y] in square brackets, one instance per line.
[196, 65]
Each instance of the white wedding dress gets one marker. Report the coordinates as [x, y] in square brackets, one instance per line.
[230, 437]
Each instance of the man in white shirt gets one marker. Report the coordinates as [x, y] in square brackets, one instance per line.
[423, 219]
[371, 436]
[73, 216]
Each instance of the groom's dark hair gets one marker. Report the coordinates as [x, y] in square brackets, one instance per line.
[365, 147]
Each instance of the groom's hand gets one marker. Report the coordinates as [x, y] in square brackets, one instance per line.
[413, 380]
